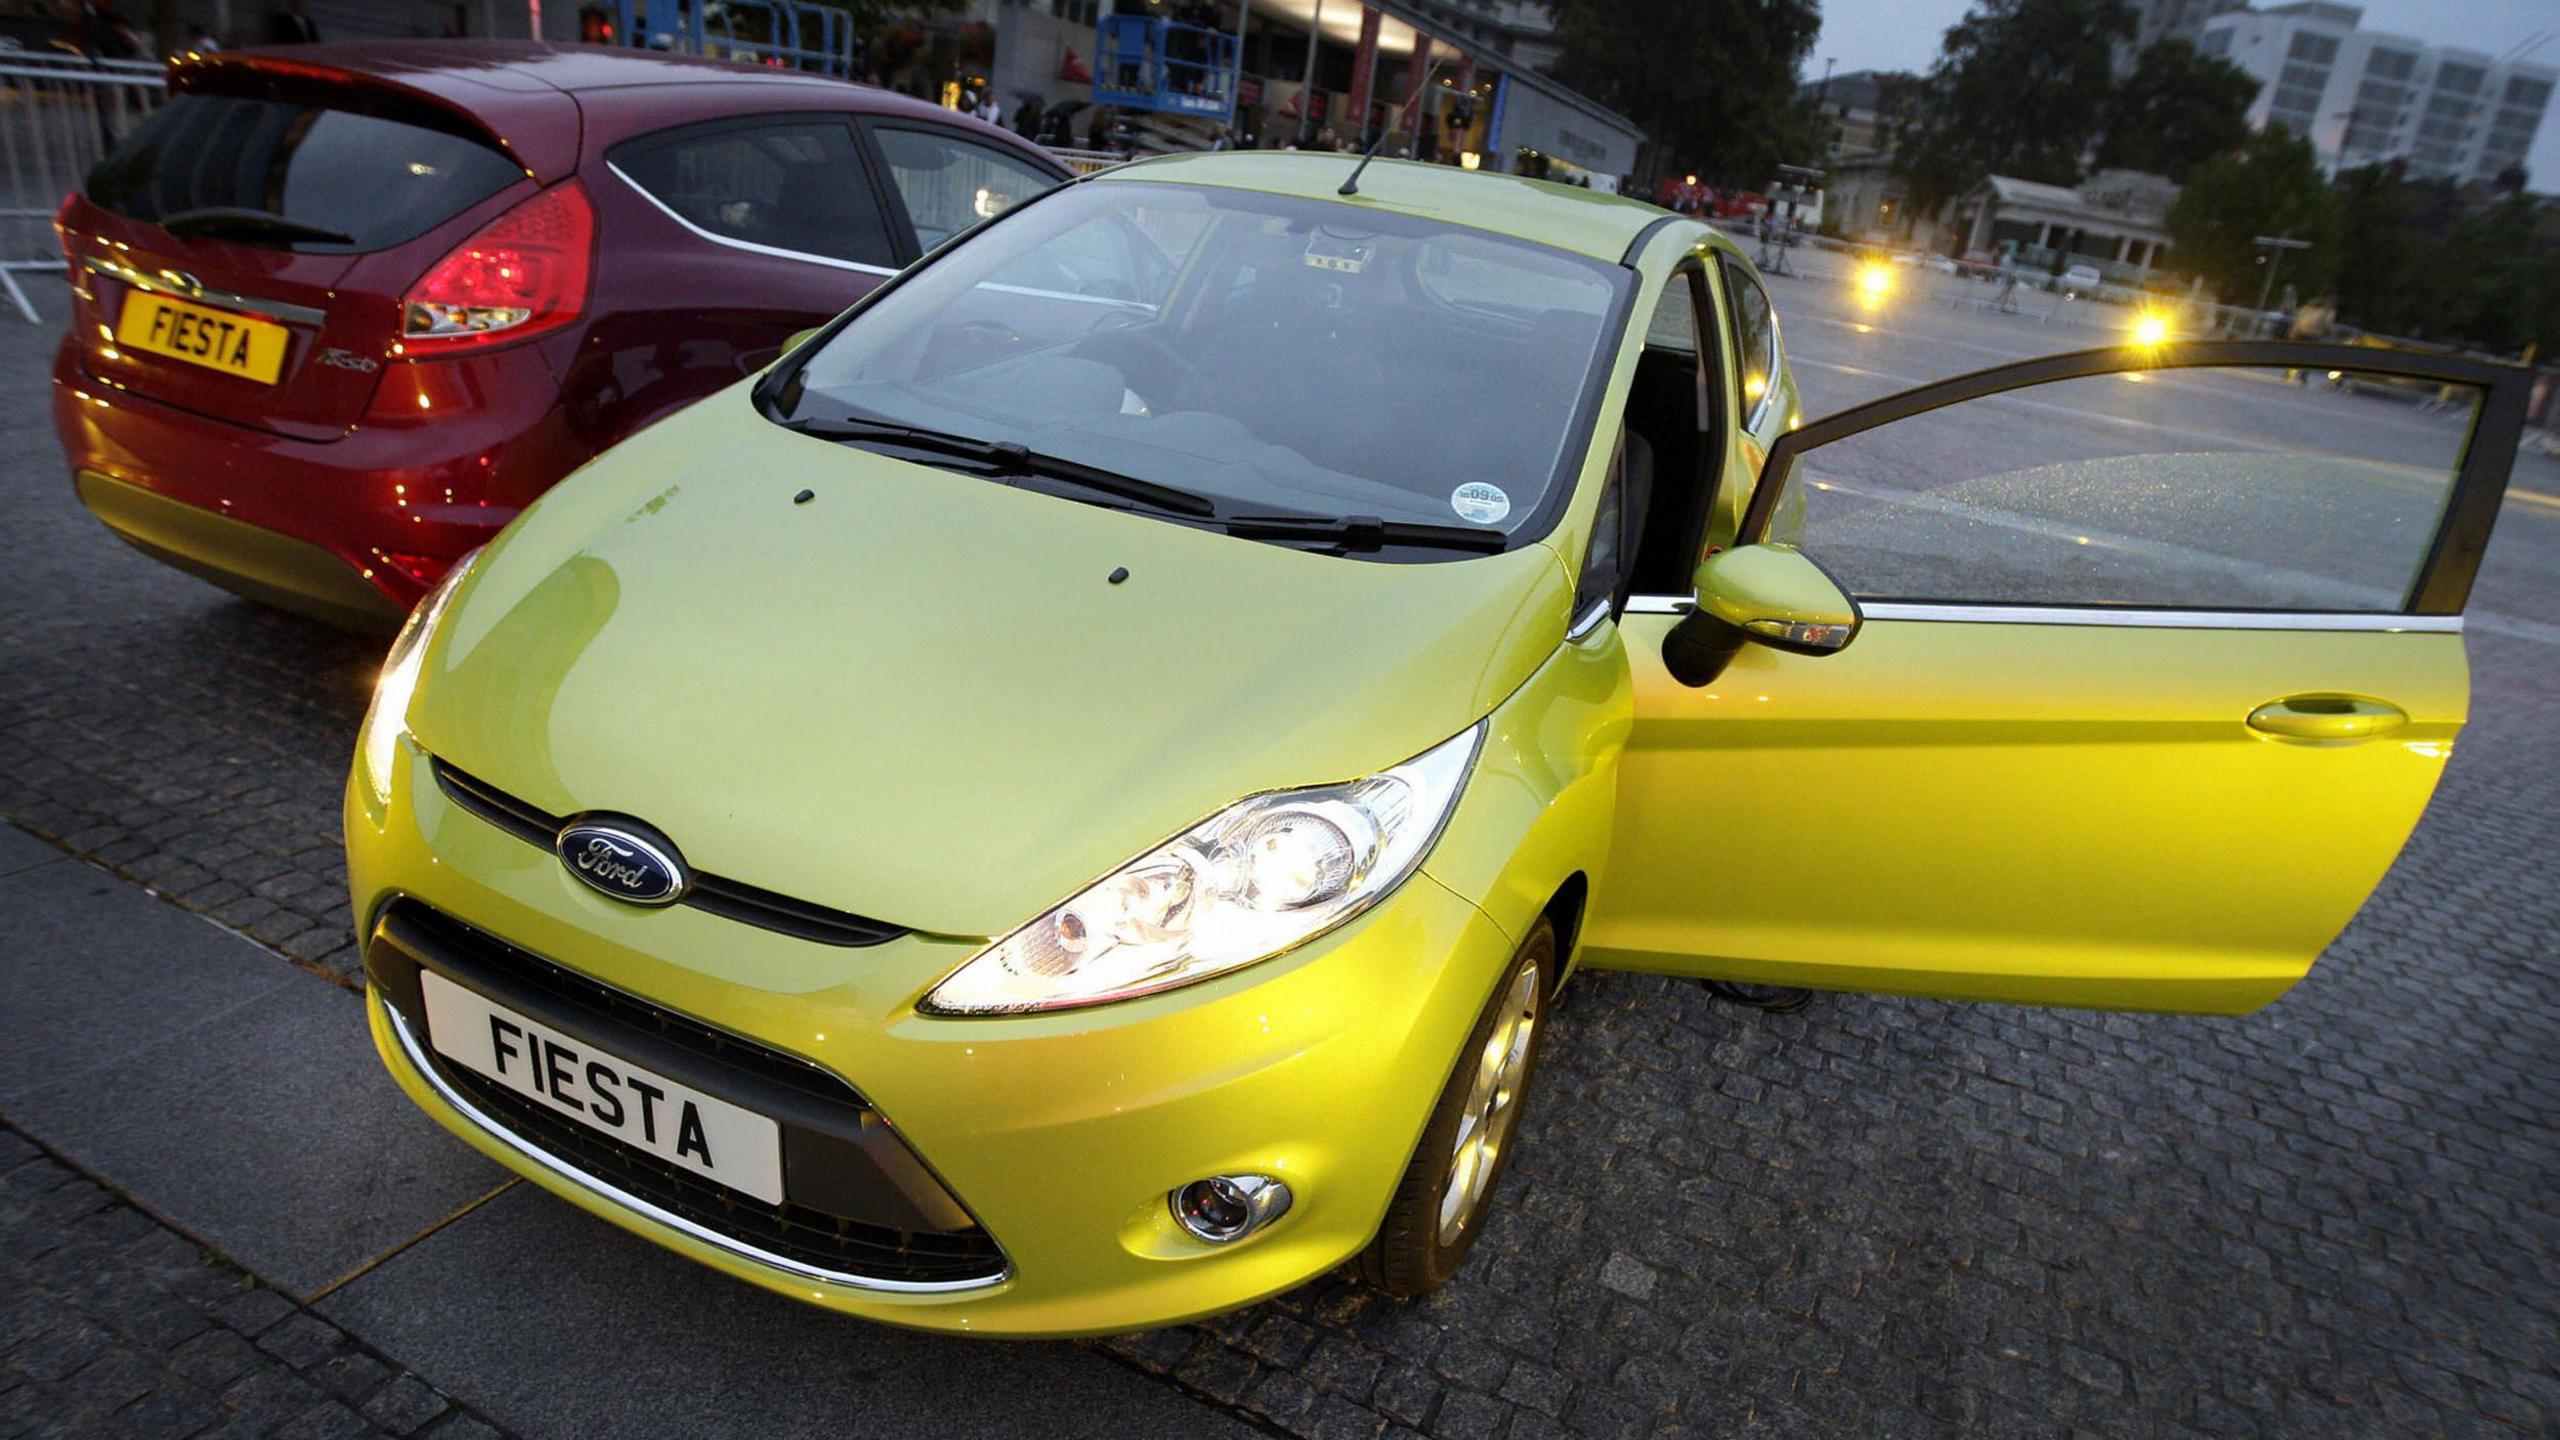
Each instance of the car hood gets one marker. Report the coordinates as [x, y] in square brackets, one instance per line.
[919, 696]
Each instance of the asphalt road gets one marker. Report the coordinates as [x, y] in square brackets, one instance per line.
[1877, 1216]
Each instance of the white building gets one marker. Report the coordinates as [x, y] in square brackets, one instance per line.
[2363, 96]
[2158, 20]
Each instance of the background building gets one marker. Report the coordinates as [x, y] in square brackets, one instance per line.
[1521, 31]
[2364, 96]
[2158, 20]
[1859, 108]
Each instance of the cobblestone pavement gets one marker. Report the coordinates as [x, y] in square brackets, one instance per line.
[1876, 1216]
[111, 1324]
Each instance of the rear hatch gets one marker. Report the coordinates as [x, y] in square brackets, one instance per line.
[245, 247]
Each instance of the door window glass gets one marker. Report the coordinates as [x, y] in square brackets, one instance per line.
[950, 183]
[798, 186]
[1755, 343]
[2221, 488]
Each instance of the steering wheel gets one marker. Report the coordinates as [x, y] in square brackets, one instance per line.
[1167, 371]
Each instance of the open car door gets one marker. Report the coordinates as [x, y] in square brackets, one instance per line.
[2146, 664]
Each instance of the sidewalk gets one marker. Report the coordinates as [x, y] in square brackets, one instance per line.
[219, 1218]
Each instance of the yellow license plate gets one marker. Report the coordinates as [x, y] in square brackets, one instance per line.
[214, 339]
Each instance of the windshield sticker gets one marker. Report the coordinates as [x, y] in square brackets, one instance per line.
[1329, 252]
[1482, 503]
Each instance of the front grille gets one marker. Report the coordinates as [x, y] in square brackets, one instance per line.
[857, 1203]
[608, 1011]
[716, 894]
[811, 1237]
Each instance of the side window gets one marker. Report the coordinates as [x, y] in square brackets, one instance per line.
[1755, 343]
[796, 185]
[950, 182]
[1672, 444]
[1604, 564]
[2223, 488]
[1674, 325]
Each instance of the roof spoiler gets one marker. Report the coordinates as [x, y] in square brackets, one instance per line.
[527, 124]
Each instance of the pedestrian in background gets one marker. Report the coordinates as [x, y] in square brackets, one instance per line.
[293, 25]
[104, 35]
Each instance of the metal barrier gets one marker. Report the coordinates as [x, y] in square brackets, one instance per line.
[1085, 162]
[59, 115]
[1143, 62]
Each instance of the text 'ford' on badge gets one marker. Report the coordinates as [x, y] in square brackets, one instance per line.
[624, 860]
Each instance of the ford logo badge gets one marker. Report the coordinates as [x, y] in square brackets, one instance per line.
[624, 859]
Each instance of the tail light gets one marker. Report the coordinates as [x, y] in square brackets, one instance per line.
[518, 276]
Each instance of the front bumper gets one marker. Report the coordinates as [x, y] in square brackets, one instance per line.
[1060, 1134]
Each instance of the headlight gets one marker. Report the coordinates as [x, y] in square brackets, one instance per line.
[1254, 880]
[388, 720]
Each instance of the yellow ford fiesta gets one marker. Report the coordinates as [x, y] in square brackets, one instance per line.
[1062, 806]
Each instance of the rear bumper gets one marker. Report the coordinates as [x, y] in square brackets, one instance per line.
[265, 566]
[352, 530]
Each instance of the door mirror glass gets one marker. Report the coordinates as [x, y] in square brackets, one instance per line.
[1769, 595]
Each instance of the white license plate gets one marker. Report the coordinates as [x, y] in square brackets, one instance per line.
[702, 1133]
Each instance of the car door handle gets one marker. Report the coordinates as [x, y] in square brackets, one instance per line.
[2327, 717]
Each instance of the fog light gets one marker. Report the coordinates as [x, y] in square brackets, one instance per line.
[1226, 1208]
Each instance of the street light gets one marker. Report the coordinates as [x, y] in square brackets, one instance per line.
[2279, 244]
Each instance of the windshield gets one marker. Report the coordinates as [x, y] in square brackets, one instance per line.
[295, 176]
[1271, 354]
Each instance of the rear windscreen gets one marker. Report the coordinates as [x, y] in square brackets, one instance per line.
[292, 175]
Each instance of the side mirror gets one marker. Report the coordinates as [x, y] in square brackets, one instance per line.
[800, 339]
[1767, 594]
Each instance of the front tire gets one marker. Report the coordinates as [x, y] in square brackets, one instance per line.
[1440, 1205]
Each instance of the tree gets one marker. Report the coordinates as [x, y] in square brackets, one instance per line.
[2019, 89]
[2431, 259]
[2271, 187]
[2381, 272]
[2179, 108]
[1713, 81]
[2506, 287]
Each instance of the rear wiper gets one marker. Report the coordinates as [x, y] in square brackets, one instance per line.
[1004, 457]
[1364, 532]
[216, 219]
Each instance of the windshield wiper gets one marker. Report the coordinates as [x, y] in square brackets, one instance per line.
[1364, 532]
[216, 219]
[1004, 457]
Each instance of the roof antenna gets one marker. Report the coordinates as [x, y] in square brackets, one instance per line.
[1352, 185]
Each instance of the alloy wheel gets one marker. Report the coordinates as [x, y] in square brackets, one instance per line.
[1492, 1109]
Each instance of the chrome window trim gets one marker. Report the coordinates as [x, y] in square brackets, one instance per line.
[2107, 616]
[169, 285]
[749, 246]
[1589, 620]
[425, 1066]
